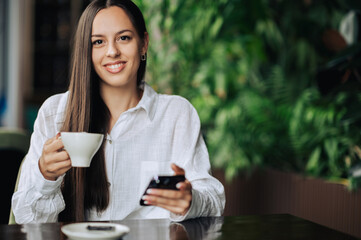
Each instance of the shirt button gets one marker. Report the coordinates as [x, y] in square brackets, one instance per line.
[110, 141]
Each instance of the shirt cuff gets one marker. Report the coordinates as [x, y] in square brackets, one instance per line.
[192, 211]
[44, 186]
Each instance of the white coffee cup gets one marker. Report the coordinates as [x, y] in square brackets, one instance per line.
[81, 146]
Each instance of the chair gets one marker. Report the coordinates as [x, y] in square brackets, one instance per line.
[14, 144]
[12, 217]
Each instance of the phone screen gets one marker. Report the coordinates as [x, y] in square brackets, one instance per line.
[163, 182]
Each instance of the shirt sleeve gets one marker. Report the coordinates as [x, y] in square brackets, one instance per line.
[37, 199]
[208, 198]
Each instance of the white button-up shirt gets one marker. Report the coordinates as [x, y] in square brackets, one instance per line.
[146, 139]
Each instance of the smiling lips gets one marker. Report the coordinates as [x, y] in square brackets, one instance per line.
[115, 67]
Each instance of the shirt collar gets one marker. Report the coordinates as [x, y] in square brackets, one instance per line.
[149, 101]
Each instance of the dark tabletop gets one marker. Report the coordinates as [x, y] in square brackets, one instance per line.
[277, 226]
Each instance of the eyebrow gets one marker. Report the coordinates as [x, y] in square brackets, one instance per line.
[120, 32]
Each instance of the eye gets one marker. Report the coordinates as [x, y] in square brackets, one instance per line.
[124, 38]
[97, 42]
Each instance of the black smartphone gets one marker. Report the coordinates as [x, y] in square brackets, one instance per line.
[163, 182]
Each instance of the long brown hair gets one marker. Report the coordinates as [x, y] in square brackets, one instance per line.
[87, 188]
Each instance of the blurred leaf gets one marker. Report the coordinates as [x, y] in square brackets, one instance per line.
[313, 163]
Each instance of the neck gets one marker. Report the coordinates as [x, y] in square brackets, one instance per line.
[119, 100]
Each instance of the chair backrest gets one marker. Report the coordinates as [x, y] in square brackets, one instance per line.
[14, 139]
[14, 144]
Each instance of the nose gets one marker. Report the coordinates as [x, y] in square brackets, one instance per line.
[112, 50]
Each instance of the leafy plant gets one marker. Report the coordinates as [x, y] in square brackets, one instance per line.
[251, 69]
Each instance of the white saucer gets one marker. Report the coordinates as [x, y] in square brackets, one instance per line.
[79, 231]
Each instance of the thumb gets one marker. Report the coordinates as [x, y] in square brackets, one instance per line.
[177, 170]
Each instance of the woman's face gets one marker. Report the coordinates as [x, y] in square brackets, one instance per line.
[117, 48]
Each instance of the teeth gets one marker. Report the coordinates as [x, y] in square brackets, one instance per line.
[115, 66]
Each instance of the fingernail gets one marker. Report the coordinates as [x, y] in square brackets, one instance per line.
[149, 191]
[146, 202]
[178, 185]
[144, 197]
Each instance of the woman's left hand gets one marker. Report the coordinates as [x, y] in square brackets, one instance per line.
[177, 202]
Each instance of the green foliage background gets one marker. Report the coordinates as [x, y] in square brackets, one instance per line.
[249, 68]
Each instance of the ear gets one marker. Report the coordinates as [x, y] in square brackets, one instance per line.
[145, 43]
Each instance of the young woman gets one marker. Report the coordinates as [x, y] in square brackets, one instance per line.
[145, 134]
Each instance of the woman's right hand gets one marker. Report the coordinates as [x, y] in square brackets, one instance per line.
[54, 160]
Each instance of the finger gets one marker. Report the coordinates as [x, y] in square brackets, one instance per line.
[59, 167]
[53, 145]
[156, 201]
[57, 145]
[60, 156]
[174, 209]
[50, 140]
[165, 193]
[184, 186]
[65, 167]
[58, 135]
[177, 170]
[55, 157]
[168, 195]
